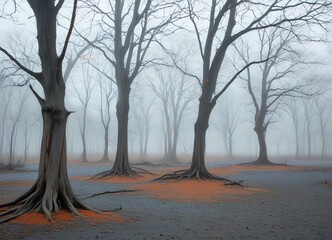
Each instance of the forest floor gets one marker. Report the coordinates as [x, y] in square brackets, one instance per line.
[277, 202]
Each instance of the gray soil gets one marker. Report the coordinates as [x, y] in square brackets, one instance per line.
[298, 206]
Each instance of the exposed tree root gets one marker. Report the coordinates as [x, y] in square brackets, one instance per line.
[131, 172]
[142, 171]
[128, 172]
[42, 198]
[196, 174]
[260, 162]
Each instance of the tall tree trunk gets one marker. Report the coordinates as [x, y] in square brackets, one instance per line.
[11, 147]
[25, 159]
[173, 157]
[53, 177]
[146, 140]
[225, 140]
[323, 152]
[308, 137]
[52, 189]
[197, 169]
[198, 162]
[262, 157]
[83, 156]
[105, 157]
[297, 140]
[230, 145]
[121, 164]
[2, 134]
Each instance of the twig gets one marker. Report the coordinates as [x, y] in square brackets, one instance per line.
[111, 192]
[235, 183]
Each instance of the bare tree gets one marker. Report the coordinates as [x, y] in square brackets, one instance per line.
[308, 117]
[295, 114]
[175, 92]
[129, 28]
[4, 103]
[52, 189]
[84, 98]
[107, 94]
[26, 129]
[274, 84]
[15, 117]
[324, 112]
[226, 123]
[74, 56]
[227, 22]
[142, 118]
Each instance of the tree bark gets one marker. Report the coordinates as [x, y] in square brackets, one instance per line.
[262, 157]
[198, 169]
[198, 160]
[83, 156]
[121, 164]
[230, 144]
[105, 157]
[52, 189]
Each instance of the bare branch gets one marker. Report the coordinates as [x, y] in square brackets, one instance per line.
[215, 98]
[36, 75]
[70, 30]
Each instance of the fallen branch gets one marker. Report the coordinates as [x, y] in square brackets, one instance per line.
[234, 183]
[111, 192]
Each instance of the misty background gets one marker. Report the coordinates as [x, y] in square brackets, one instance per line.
[90, 89]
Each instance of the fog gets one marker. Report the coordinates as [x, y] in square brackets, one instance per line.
[21, 123]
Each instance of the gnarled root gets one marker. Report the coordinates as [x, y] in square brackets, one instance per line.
[196, 174]
[131, 172]
[43, 198]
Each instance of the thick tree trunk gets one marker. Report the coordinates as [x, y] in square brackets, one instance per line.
[262, 157]
[53, 178]
[197, 169]
[121, 164]
[52, 189]
[198, 161]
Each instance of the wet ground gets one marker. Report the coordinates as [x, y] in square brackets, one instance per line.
[295, 203]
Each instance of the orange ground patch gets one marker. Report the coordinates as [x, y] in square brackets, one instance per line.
[219, 171]
[16, 183]
[233, 169]
[196, 191]
[34, 218]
